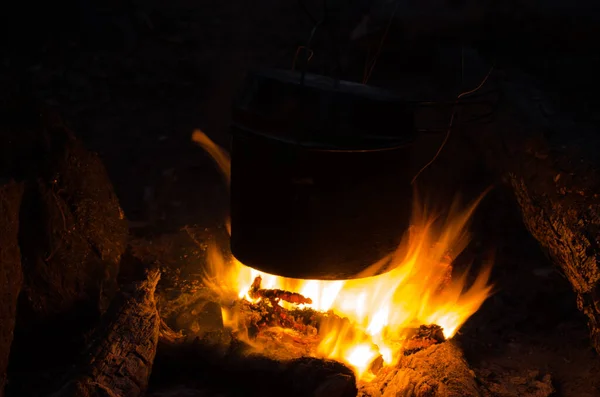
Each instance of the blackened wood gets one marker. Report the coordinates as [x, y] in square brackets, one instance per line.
[119, 360]
[11, 275]
[219, 365]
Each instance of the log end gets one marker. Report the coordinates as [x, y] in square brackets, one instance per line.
[439, 370]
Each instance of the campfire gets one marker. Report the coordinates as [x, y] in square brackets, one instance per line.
[188, 318]
[334, 276]
[406, 302]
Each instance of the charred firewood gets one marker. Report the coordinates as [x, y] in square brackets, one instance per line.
[261, 320]
[119, 360]
[423, 337]
[439, 370]
[275, 295]
[263, 314]
[268, 313]
[11, 276]
[256, 316]
[219, 364]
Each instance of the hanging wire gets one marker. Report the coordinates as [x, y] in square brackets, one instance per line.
[306, 47]
[300, 48]
[451, 124]
[316, 24]
[487, 108]
[371, 67]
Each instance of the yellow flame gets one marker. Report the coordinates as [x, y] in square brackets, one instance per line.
[217, 153]
[381, 308]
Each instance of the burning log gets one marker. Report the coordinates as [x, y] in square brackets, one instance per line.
[120, 358]
[439, 370]
[262, 320]
[203, 368]
[210, 364]
[423, 337]
[551, 164]
[11, 275]
[275, 295]
[265, 314]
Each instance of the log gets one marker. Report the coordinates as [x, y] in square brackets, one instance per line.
[219, 364]
[76, 231]
[439, 371]
[72, 233]
[11, 275]
[119, 360]
[551, 163]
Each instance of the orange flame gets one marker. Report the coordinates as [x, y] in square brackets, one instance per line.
[381, 308]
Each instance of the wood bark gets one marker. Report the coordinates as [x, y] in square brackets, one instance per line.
[11, 275]
[75, 232]
[552, 164]
[119, 360]
[72, 233]
[439, 371]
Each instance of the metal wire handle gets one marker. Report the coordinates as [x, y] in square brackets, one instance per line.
[316, 24]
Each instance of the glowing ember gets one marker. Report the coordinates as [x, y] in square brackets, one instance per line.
[381, 309]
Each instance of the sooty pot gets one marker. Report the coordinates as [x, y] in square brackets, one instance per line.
[320, 178]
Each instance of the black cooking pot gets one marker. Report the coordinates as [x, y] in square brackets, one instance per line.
[320, 178]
